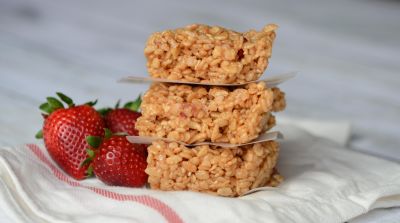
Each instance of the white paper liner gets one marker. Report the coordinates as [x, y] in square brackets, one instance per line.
[267, 136]
[271, 81]
[258, 189]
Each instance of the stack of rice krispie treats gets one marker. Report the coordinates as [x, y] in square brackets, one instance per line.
[209, 112]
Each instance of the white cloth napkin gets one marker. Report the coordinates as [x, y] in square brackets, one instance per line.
[323, 183]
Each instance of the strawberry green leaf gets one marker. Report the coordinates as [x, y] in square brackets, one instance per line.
[87, 161]
[104, 111]
[54, 103]
[39, 134]
[90, 158]
[118, 103]
[65, 99]
[93, 141]
[90, 153]
[46, 108]
[134, 105]
[89, 171]
[91, 103]
[107, 133]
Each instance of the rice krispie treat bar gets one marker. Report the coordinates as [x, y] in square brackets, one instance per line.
[279, 102]
[221, 171]
[209, 54]
[194, 114]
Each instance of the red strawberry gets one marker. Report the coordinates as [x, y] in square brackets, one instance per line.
[123, 119]
[118, 162]
[65, 131]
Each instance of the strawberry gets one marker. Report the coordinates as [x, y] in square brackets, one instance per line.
[65, 130]
[123, 119]
[116, 161]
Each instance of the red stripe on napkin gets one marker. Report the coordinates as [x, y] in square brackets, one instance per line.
[166, 211]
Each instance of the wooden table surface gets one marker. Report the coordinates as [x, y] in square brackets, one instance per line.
[347, 54]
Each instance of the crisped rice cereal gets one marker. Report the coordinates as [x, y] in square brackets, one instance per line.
[212, 54]
[192, 114]
[221, 171]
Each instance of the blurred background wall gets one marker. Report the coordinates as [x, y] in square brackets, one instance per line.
[347, 54]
